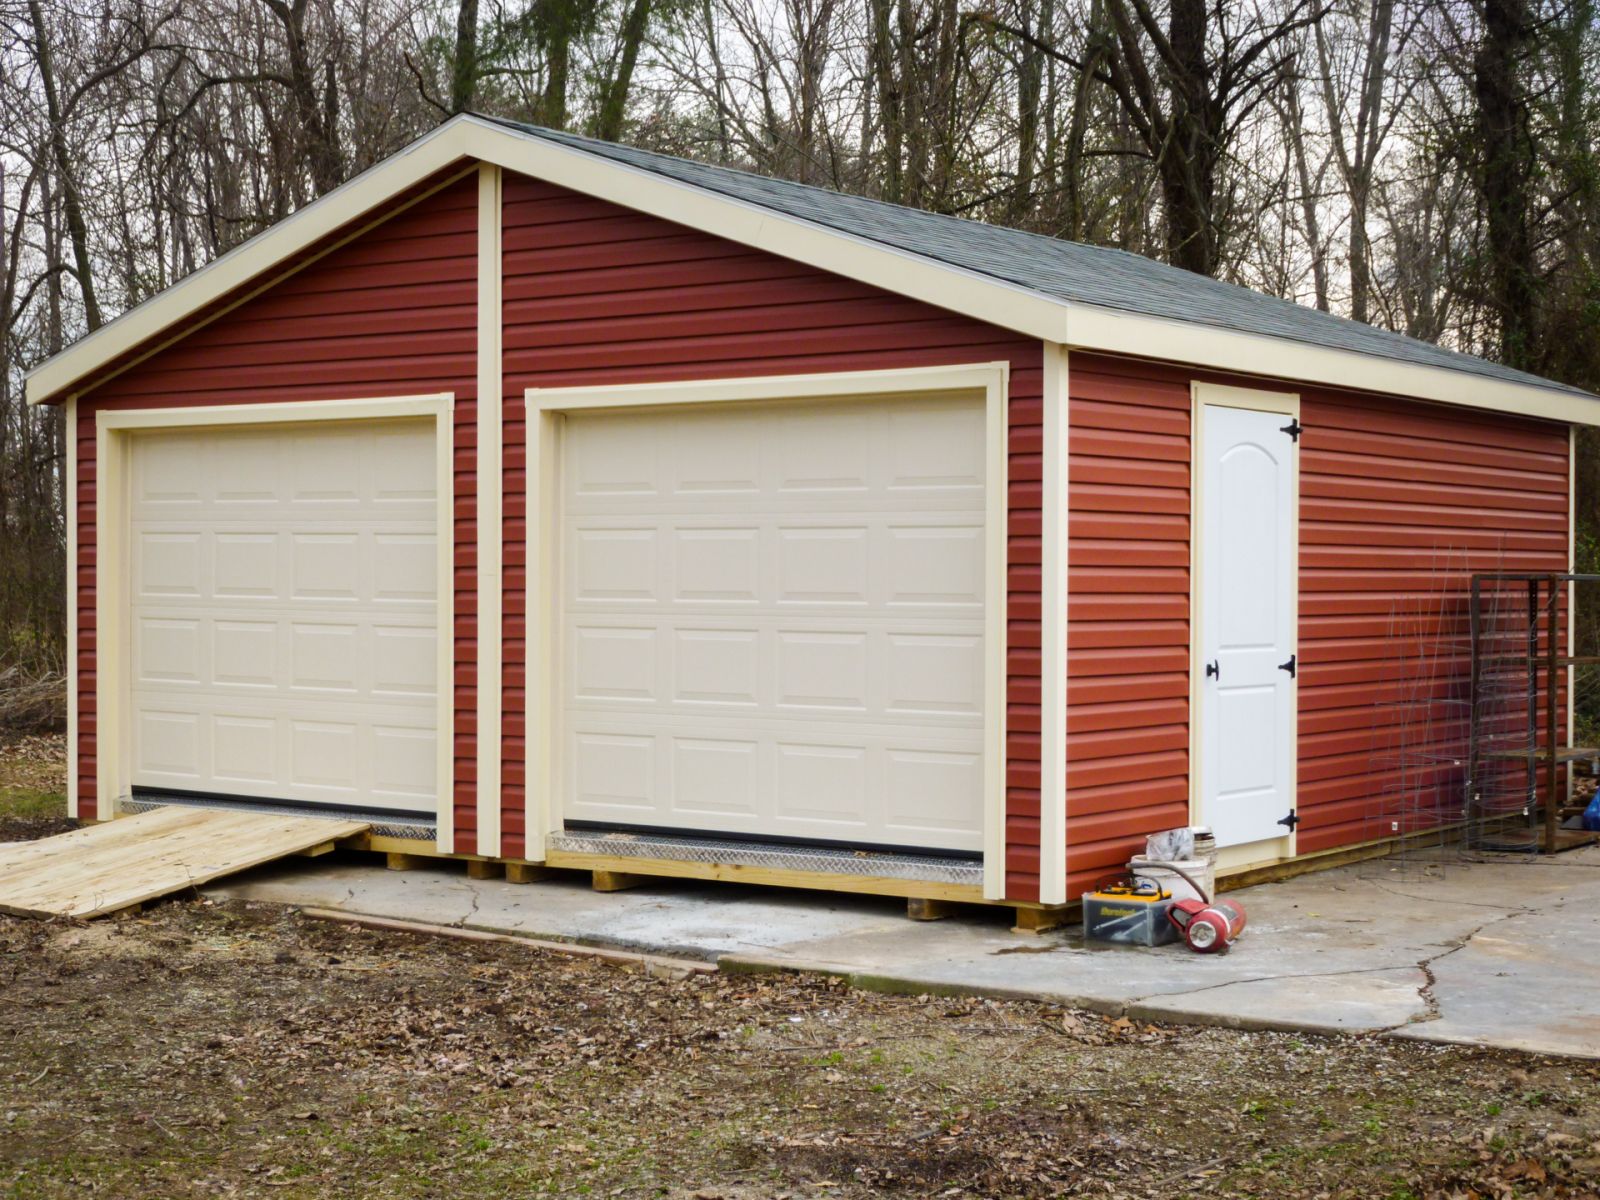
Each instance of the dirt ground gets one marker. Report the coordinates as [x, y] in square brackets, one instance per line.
[245, 1050]
[33, 780]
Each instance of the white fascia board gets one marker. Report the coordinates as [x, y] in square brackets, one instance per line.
[1280, 360]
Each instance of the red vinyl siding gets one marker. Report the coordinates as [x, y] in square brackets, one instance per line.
[1128, 610]
[595, 293]
[1399, 503]
[392, 313]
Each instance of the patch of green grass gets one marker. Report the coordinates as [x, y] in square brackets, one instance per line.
[30, 805]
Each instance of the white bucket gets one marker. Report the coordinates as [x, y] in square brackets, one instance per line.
[1204, 873]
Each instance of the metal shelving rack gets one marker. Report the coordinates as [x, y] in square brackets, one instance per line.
[1519, 650]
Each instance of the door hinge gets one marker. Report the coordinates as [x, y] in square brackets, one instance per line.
[1291, 820]
[1293, 429]
[1214, 669]
[1288, 666]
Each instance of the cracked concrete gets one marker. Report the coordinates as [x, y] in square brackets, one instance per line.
[1503, 953]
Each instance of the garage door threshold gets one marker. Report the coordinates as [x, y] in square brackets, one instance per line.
[380, 824]
[927, 868]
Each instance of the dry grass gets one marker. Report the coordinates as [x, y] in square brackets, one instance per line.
[246, 1051]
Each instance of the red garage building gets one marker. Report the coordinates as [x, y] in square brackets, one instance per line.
[563, 503]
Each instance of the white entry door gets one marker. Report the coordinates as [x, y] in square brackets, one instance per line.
[284, 613]
[1247, 634]
[773, 621]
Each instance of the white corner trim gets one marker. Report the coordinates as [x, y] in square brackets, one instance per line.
[69, 484]
[546, 407]
[1053, 626]
[491, 434]
[113, 430]
[1572, 589]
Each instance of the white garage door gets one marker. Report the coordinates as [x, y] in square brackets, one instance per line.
[283, 613]
[773, 621]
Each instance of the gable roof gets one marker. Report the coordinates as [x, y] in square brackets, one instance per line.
[1081, 296]
[1073, 272]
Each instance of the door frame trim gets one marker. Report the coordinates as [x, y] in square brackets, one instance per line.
[1219, 395]
[115, 432]
[547, 408]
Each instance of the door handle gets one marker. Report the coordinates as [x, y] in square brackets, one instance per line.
[1213, 669]
[1288, 666]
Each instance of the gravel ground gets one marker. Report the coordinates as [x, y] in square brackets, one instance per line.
[209, 1050]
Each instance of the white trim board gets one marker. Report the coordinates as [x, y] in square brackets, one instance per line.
[1053, 626]
[982, 297]
[113, 435]
[546, 408]
[70, 487]
[491, 481]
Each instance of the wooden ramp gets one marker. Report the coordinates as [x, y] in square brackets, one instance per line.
[103, 868]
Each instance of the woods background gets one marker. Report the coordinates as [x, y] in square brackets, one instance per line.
[1430, 167]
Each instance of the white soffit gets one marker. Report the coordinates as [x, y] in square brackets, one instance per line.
[1008, 306]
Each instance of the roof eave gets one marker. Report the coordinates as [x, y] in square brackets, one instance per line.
[995, 302]
[1192, 344]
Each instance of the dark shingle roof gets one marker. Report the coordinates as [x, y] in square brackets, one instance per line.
[1068, 271]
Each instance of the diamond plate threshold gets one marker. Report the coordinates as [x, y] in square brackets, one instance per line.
[420, 829]
[924, 868]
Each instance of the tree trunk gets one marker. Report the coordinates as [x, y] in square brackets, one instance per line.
[1505, 147]
[71, 202]
[1188, 161]
[464, 82]
[888, 82]
[1030, 81]
[614, 105]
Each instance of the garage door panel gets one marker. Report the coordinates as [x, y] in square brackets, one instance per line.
[935, 565]
[823, 565]
[773, 621]
[327, 657]
[939, 448]
[612, 775]
[611, 565]
[168, 650]
[721, 566]
[821, 669]
[168, 745]
[284, 609]
[716, 778]
[167, 563]
[613, 663]
[244, 654]
[246, 751]
[247, 565]
[719, 667]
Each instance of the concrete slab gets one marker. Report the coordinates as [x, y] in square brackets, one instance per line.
[1502, 953]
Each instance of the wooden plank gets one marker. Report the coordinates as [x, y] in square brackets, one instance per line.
[616, 881]
[113, 866]
[822, 881]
